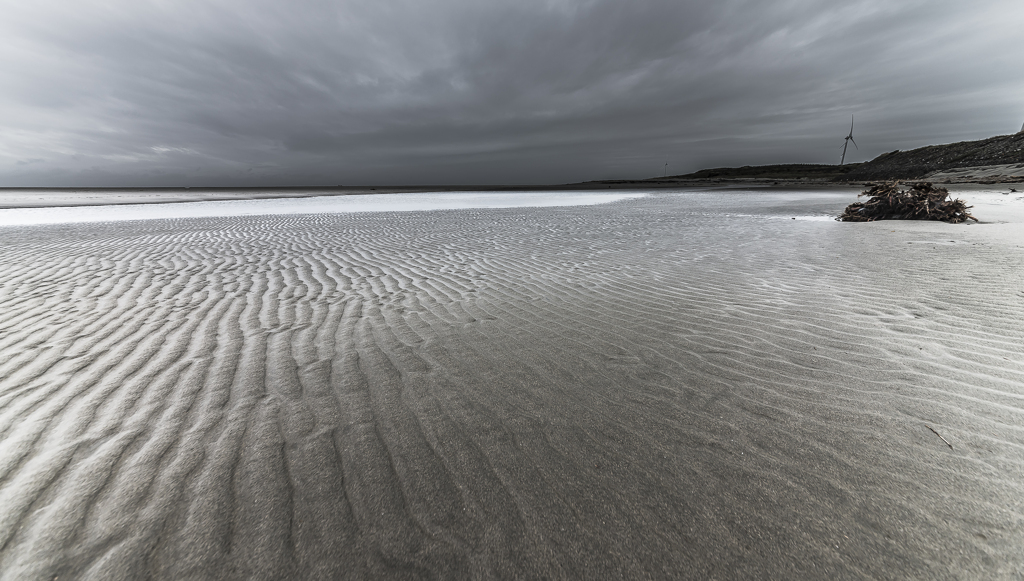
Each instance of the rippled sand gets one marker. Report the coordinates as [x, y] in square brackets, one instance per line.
[676, 386]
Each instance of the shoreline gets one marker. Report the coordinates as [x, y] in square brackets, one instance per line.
[14, 198]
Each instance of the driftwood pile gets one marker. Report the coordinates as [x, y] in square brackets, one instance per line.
[922, 201]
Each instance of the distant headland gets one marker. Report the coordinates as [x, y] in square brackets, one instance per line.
[994, 160]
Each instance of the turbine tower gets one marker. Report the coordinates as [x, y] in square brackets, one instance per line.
[846, 143]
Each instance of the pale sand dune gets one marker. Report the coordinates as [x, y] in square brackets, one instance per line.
[682, 385]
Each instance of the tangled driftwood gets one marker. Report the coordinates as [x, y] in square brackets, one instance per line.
[922, 201]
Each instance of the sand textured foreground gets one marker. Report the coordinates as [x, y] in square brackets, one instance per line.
[653, 388]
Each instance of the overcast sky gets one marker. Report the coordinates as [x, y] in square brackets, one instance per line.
[259, 92]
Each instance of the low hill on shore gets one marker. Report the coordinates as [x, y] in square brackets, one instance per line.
[1003, 150]
[774, 172]
[994, 160]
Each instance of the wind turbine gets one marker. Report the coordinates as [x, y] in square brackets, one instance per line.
[846, 143]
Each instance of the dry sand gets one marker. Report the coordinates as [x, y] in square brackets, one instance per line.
[1011, 174]
[678, 386]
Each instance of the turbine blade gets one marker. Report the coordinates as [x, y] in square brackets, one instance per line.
[851, 124]
[854, 143]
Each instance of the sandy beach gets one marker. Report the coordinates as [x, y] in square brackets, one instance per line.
[684, 385]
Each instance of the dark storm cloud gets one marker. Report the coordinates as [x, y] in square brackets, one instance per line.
[459, 91]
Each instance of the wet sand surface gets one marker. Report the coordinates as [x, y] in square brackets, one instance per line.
[678, 386]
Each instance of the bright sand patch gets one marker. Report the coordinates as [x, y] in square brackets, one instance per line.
[682, 385]
[396, 202]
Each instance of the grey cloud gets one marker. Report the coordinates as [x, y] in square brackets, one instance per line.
[454, 91]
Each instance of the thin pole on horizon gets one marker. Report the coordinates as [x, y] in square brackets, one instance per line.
[665, 173]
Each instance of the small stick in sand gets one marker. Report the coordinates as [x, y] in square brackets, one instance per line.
[939, 435]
